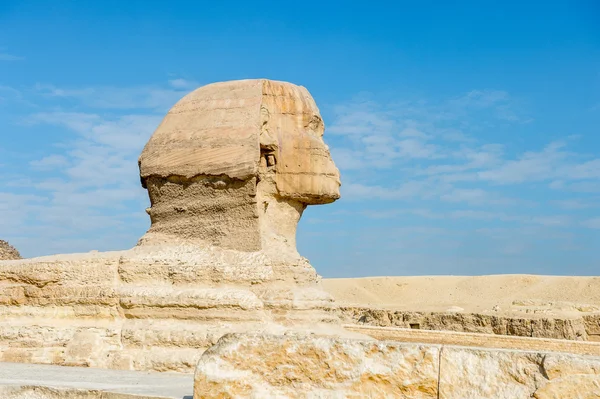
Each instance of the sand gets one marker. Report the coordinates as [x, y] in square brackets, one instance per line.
[501, 294]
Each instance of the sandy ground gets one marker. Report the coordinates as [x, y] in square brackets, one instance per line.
[481, 294]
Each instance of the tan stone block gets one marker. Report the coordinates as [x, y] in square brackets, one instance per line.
[481, 374]
[577, 386]
[311, 366]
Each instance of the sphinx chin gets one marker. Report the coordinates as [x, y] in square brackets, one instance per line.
[229, 172]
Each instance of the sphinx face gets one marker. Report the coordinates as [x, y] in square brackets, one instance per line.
[292, 133]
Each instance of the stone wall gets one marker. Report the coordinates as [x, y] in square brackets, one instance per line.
[578, 328]
[309, 367]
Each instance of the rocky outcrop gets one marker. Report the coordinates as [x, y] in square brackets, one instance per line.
[310, 366]
[8, 252]
[592, 326]
[573, 328]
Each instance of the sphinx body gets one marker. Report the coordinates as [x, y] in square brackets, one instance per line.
[229, 172]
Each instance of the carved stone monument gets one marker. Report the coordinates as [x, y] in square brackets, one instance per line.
[229, 172]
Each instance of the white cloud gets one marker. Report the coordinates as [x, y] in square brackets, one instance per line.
[10, 94]
[110, 97]
[365, 118]
[592, 223]
[10, 57]
[572, 204]
[94, 188]
[124, 133]
[531, 166]
[183, 84]
[554, 163]
[481, 98]
[358, 191]
[412, 148]
[475, 195]
[49, 162]
[395, 156]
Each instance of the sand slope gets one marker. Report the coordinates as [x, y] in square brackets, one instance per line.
[495, 293]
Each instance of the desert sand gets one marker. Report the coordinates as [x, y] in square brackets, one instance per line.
[556, 295]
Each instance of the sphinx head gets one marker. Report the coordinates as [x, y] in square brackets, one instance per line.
[234, 164]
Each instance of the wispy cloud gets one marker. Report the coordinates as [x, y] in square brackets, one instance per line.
[424, 162]
[592, 223]
[89, 185]
[412, 138]
[127, 98]
[10, 57]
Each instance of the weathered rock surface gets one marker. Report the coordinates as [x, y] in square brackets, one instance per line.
[573, 328]
[229, 172]
[476, 339]
[308, 367]
[301, 367]
[8, 252]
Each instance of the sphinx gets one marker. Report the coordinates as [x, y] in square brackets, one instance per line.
[229, 171]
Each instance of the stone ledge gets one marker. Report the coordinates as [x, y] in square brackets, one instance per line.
[581, 327]
[477, 340]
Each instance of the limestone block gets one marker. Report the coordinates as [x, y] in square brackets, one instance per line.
[310, 366]
[482, 374]
[300, 366]
[592, 324]
[557, 365]
[477, 373]
[184, 264]
[578, 386]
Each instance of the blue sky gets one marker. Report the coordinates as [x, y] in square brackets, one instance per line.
[467, 134]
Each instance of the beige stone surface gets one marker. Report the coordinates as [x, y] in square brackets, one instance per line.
[311, 366]
[576, 328]
[573, 387]
[263, 366]
[477, 374]
[125, 310]
[476, 339]
[8, 252]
